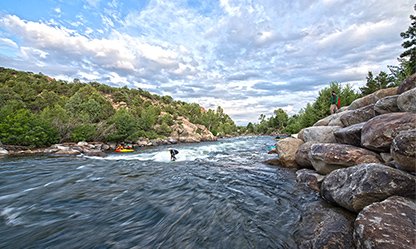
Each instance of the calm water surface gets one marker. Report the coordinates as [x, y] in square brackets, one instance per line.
[216, 195]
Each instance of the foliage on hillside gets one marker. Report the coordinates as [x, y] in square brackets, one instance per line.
[36, 110]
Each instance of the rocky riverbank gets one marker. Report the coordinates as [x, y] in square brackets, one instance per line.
[361, 160]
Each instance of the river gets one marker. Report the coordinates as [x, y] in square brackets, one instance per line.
[216, 195]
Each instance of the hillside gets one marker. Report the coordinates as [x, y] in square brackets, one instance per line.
[37, 110]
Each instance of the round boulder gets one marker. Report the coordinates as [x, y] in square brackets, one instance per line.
[357, 187]
[302, 155]
[358, 116]
[378, 133]
[403, 150]
[407, 101]
[387, 224]
[387, 105]
[320, 134]
[286, 149]
[328, 157]
[350, 135]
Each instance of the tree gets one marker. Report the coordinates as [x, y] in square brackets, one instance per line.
[125, 125]
[382, 80]
[410, 45]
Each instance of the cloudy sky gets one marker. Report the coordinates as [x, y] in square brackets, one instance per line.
[248, 56]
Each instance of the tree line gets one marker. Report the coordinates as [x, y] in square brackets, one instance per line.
[36, 110]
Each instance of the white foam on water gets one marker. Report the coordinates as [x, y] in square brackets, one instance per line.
[11, 216]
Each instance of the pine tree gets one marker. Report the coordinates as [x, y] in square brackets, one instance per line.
[410, 44]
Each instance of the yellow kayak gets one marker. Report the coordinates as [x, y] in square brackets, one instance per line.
[124, 150]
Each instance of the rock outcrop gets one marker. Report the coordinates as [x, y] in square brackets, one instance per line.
[356, 187]
[328, 157]
[187, 132]
[387, 224]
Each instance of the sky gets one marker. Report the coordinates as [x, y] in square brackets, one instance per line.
[248, 56]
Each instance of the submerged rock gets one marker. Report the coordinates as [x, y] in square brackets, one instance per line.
[403, 150]
[387, 224]
[356, 187]
[324, 226]
[378, 133]
[328, 157]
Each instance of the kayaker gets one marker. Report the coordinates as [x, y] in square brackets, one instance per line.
[173, 152]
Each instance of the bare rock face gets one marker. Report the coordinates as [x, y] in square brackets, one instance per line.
[324, 226]
[331, 120]
[387, 224]
[302, 155]
[326, 158]
[320, 134]
[185, 131]
[372, 98]
[358, 116]
[310, 178]
[378, 133]
[407, 84]
[387, 105]
[350, 135]
[357, 187]
[407, 101]
[286, 148]
[403, 150]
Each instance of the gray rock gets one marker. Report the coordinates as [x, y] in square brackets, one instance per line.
[350, 135]
[407, 101]
[378, 133]
[82, 143]
[357, 187]
[326, 158]
[301, 134]
[386, 157]
[310, 178]
[67, 152]
[372, 98]
[403, 150]
[386, 105]
[320, 134]
[359, 115]
[324, 226]
[407, 84]
[302, 155]
[3, 151]
[286, 149]
[387, 224]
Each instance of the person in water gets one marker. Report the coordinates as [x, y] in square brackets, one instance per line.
[173, 153]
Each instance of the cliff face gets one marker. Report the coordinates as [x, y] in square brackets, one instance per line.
[363, 159]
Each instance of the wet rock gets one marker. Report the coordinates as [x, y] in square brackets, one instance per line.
[386, 105]
[302, 155]
[328, 157]
[274, 162]
[286, 149]
[311, 178]
[372, 98]
[403, 150]
[105, 147]
[172, 141]
[324, 226]
[407, 84]
[68, 152]
[387, 224]
[407, 101]
[320, 134]
[356, 187]
[359, 115]
[378, 133]
[3, 151]
[350, 135]
[94, 153]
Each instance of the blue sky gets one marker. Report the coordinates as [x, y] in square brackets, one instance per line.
[250, 57]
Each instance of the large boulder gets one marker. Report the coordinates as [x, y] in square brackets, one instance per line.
[286, 149]
[350, 135]
[320, 134]
[386, 105]
[326, 158]
[387, 224]
[302, 155]
[358, 116]
[407, 101]
[356, 187]
[3, 151]
[301, 135]
[324, 226]
[407, 84]
[331, 120]
[372, 98]
[403, 150]
[378, 133]
[310, 178]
